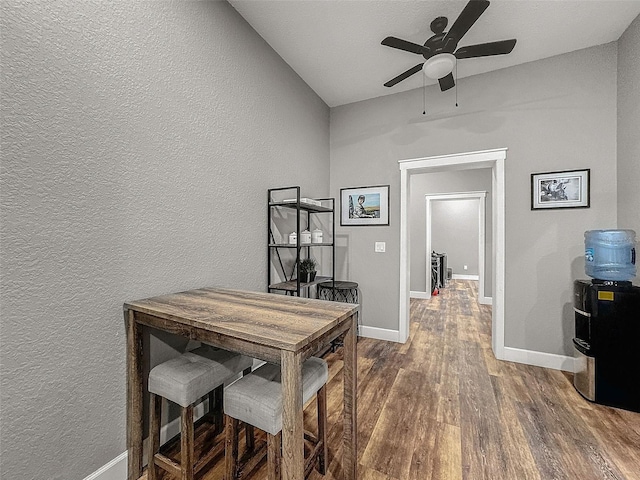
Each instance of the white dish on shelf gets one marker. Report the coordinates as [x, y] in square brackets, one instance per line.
[305, 237]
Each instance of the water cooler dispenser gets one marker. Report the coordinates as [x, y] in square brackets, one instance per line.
[607, 321]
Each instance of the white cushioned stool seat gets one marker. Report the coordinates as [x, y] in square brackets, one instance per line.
[185, 379]
[256, 399]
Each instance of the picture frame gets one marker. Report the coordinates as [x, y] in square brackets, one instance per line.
[364, 206]
[563, 189]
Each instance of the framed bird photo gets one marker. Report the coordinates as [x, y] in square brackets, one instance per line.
[360, 206]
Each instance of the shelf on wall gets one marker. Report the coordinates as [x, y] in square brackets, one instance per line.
[293, 245]
[292, 285]
[303, 206]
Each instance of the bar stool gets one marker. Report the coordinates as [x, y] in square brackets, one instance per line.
[184, 380]
[256, 399]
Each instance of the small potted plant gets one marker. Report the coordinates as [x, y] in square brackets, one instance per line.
[307, 270]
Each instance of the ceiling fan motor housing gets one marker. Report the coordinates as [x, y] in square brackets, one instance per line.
[438, 25]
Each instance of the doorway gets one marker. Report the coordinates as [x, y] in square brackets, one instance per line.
[493, 159]
[479, 197]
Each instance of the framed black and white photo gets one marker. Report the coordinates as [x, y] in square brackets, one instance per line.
[566, 189]
[364, 205]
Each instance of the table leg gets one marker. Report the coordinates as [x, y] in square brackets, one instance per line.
[292, 420]
[134, 396]
[350, 434]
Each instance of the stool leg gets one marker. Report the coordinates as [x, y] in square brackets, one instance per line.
[155, 412]
[231, 448]
[186, 442]
[216, 410]
[321, 398]
[249, 437]
[274, 456]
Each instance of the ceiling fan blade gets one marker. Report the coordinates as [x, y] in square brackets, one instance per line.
[447, 82]
[465, 21]
[404, 75]
[486, 49]
[400, 44]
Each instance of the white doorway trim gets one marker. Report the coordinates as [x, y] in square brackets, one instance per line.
[493, 159]
[480, 197]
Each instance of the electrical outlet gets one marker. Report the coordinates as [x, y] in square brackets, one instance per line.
[465, 267]
[380, 247]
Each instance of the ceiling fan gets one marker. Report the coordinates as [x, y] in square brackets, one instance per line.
[440, 52]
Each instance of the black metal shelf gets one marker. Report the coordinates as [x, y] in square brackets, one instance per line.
[291, 245]
[291, 284]
[303, 206]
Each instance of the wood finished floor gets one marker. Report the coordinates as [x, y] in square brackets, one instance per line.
[441, 407]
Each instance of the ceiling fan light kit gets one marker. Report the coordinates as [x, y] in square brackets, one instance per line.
[439, 51]
[439, 65]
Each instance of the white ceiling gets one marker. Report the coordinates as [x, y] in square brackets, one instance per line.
[334, 45]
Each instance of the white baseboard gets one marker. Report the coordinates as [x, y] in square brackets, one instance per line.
[423, 295]
[116, 469]
[485, 300]
[457, 276]
[539, 359]
[380, 333]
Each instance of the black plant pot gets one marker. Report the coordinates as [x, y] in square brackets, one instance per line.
[306, 277]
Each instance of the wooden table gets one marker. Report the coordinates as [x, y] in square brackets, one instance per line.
[275, 328]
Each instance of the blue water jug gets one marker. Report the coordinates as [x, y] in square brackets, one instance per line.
[610, 254]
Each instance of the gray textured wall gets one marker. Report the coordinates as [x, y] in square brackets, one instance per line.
[552, 114]
[477, 180]
[138, 142]
[628, 127]
[454, 231]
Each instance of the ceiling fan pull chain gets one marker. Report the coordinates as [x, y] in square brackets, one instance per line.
[424, 91]
[456, 84]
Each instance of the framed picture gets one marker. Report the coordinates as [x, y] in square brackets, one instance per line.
[364, 205]
[566, 189]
